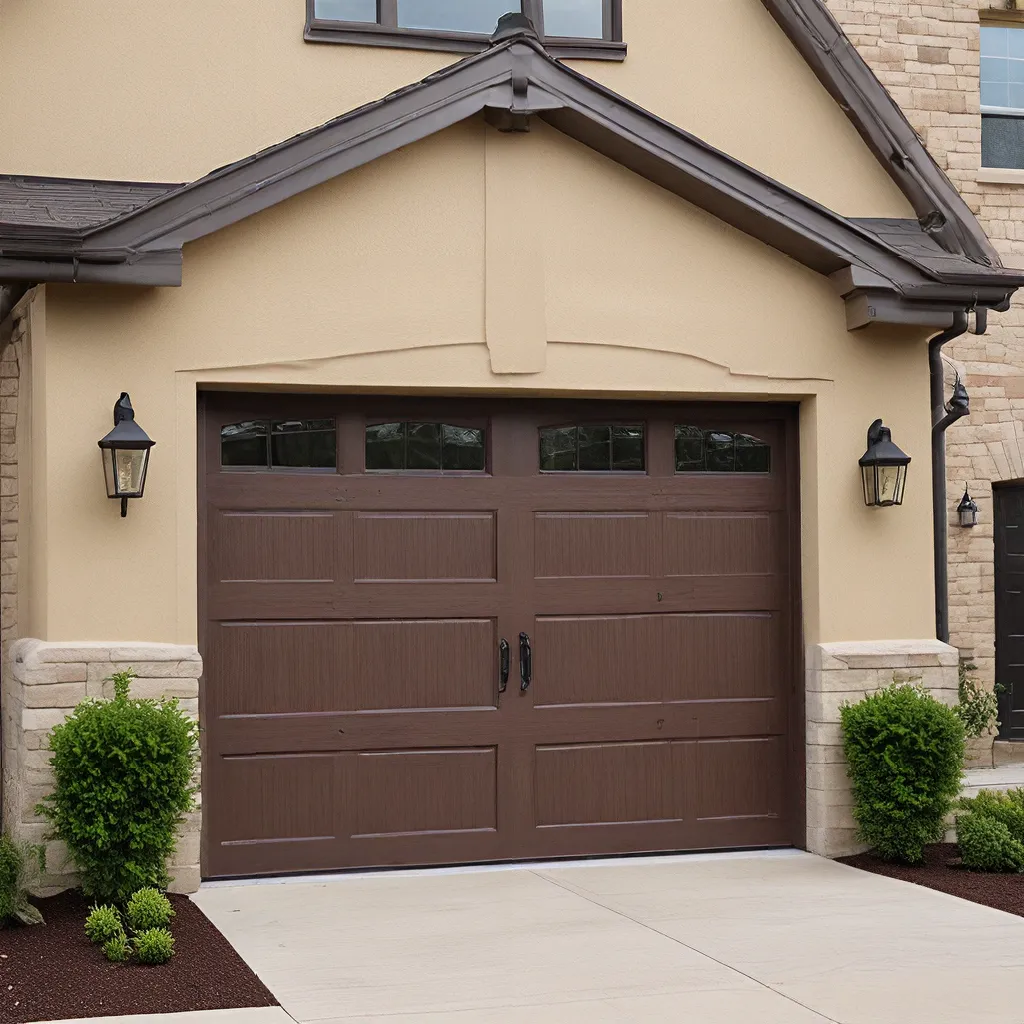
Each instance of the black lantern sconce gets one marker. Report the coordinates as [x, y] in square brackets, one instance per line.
[884, 468]
[125, 453]
[967, 510]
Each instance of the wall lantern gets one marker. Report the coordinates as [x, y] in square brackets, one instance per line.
[125, 453]
[884, 468]
[967, 510]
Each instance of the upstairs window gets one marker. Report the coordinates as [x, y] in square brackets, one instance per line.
[578, 28]
[1002, 96]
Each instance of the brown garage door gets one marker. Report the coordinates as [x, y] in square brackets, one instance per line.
[362, 562]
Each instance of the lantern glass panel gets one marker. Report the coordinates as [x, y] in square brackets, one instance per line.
[125, 471]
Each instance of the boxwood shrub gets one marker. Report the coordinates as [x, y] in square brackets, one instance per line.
[123, 770]
[905, 752]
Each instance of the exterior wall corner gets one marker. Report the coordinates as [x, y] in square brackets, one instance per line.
[842, 672]
[43, 683]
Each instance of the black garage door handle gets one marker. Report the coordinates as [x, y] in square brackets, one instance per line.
[525, 661]
[503, 660]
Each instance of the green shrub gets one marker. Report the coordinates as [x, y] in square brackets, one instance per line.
[154, 946]
[1002, 807]
[103, 924]
[977, 707]
[17, 862]
[123, 771]
[986, 844]
[905, 754]
[147, 909]
[117, 949]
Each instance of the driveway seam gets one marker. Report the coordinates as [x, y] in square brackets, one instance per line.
[592, 899]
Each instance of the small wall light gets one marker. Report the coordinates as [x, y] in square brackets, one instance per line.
[967, 510]
[125, 453]
[884, 468]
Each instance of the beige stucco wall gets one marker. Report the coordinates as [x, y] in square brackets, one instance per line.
[398, 277]
[166, 92]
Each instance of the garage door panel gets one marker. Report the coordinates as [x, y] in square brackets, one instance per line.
[582, 660]
[592, 545]
[720, 657]
[630, 659]
[715, 544]
[278, 668]
[274, 546]
[405, 791]
[425, 546]
[675, 594]
[584, 784]
[276, 798]
[741, 777]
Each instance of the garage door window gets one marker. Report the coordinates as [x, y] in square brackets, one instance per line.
[425, 446]
[279, 444]
[718, 451]
[592, 448]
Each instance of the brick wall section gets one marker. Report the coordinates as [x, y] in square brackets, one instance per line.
[928, 56]
[847, 672]
[13, 347]
[48, 680]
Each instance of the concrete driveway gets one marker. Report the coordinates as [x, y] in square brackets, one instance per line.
[772, 938]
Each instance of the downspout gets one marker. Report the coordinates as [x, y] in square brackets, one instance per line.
[943, 415]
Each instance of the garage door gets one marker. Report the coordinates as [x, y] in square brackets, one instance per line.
[454, 631]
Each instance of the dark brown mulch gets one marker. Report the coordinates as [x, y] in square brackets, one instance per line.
[52, 971]
[942, 871]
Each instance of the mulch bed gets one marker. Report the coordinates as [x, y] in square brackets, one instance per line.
[941, 870]
[52, 971]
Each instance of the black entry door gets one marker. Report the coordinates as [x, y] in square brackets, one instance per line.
[1009, 541]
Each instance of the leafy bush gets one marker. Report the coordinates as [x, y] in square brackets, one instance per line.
[154, 946]
[1007, 808]
[117, 949]
[17, 861]
[905, 752]
[103, 924]
[986, 844]
[148, 908]
[124, 780]
[977, 707]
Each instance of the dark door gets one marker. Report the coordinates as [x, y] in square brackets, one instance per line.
[365, 559]
[1009, 583]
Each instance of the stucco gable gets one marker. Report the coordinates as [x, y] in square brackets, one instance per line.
[513, 84]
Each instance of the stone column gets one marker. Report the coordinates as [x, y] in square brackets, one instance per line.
[841, 672]
[47, 681]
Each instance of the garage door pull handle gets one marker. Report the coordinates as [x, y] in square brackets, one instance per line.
[525, 661]
[503, 659]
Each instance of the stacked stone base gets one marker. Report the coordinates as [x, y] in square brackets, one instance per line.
[841, 672]
[42, 684]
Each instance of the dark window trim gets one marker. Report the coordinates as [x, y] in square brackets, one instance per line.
[386, 32]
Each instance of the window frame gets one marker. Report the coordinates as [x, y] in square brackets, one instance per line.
[481, 423]
[609, 473]
[992, 19]
[386, 32]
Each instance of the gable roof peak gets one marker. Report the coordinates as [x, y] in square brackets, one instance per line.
[514, 26]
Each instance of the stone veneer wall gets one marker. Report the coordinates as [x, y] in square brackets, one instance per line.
[47, 681]
[13, 348]
[928, 56]
[841, 672]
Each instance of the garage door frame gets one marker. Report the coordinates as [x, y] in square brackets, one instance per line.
[264, 403]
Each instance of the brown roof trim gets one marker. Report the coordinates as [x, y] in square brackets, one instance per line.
[512, 83]
[840, 68]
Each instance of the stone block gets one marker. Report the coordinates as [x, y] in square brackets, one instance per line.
[185, 880]
[1007, 752]
[165, 687]
[828, 777]
[54, 695]
[834, 842]
[138, 654]
[41, 719]
[186, 851]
